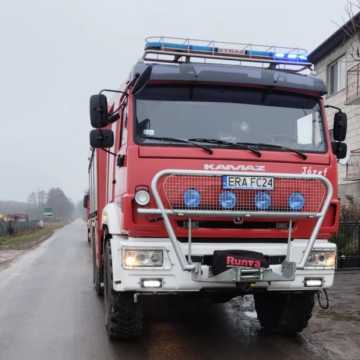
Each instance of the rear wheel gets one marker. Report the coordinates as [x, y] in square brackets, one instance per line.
[123, 317]
[97, 273]
[284, 313]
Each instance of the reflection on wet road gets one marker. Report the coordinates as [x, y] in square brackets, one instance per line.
[198, 330]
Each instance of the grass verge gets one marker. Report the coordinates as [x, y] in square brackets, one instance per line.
[29, 239]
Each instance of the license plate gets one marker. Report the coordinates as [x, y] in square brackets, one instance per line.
[248, 182]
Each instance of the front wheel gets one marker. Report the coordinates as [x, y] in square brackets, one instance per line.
[123, 317]
[284, 313]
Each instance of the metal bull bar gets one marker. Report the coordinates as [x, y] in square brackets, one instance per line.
[186, 262]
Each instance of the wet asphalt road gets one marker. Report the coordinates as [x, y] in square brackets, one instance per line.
[48, 310]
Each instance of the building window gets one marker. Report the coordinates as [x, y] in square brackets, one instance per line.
[336, 76]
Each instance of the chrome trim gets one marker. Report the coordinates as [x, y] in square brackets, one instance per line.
[153, 211]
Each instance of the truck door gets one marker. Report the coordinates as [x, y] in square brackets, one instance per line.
[119, 186]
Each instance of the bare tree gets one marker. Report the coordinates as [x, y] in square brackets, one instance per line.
[41, 198]
[351, 28]
[61, 205]
[32, 200]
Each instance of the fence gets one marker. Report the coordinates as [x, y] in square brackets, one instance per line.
[348, 243]
[18, 226]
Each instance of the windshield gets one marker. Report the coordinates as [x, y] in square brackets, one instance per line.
[234, 115]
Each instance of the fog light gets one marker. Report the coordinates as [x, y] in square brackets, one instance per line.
[140, 258]
[262, 200]
[192, 198]
[296, 201]
[313, 282]
[227, 200]
[151, 283]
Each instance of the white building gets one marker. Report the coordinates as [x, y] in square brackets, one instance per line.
[337, 63]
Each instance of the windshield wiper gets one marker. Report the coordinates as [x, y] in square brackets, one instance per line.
[242, 146]
[279, 147]
[183, 141]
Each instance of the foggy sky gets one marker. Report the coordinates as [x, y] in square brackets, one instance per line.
[55, 54]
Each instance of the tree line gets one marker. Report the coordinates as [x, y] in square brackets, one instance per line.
[55, 199]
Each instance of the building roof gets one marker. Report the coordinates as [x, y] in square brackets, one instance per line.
[344, 33]
[233, 74]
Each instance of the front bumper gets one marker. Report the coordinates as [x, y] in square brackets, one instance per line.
[175, 279]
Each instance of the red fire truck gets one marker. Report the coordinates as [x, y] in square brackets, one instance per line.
[213, 173]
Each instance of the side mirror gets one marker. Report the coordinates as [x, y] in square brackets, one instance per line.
[339, 149]
[142, 80]
[340, 126]
[86, 201]
[98, 111]
[101, 138]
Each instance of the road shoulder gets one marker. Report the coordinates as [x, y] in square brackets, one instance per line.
[12, 248]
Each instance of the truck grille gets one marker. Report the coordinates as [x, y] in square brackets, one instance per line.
[210, 189]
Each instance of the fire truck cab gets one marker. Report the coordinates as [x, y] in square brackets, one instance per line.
[213, 173]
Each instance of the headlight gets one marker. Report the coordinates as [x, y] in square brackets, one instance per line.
[142, 197]
[321, 258]
[135, 258]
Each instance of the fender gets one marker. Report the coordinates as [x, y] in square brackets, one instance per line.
[112, 217]
[116, 243]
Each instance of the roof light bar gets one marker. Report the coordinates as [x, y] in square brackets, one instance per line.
[237, 51]
[174, 46]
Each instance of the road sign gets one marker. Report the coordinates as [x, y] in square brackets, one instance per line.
[48, 212]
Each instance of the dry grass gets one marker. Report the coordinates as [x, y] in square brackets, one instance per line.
[27, 239]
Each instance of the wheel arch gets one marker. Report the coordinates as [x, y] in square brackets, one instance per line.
[106, 237]
[112, 218]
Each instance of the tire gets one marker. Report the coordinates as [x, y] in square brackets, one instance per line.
[284, 313]
[123, 317]
[97, 273]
